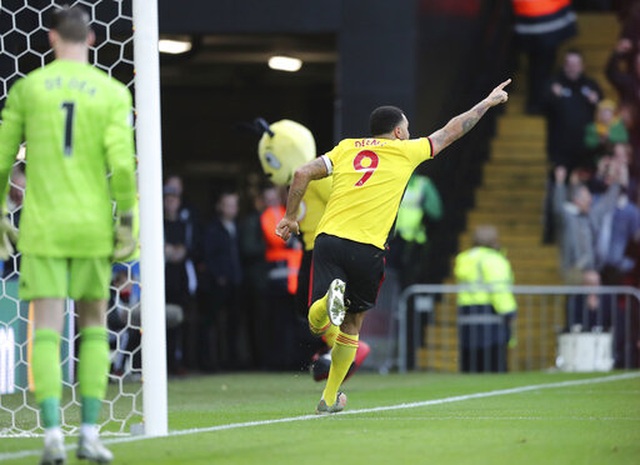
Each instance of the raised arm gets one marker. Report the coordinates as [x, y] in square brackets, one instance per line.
[315, 169]
[463, 123]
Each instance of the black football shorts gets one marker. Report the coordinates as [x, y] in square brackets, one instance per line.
[359, 265]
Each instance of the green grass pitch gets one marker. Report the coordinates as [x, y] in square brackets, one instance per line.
[416, 418]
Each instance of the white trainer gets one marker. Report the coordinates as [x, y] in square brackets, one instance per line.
[93, 450]
[54, 452]
[335, 302]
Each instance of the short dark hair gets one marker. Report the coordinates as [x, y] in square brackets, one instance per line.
[71, 23]
[385, 119]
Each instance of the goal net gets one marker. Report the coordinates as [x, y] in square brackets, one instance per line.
[24, 47]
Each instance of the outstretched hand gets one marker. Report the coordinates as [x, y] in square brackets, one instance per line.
[499, 95]
[286, 227]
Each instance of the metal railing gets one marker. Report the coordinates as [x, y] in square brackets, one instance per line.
[428, 336]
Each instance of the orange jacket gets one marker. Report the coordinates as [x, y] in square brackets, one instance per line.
[277, 249]
[533, 8]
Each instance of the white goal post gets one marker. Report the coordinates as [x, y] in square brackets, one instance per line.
[137, 394]
[154, 369]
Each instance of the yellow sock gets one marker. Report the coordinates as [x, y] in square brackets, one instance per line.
[318, 318]
[342, 356]
[330, 335]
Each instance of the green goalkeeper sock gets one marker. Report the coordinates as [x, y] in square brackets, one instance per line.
[47, 375]
[93, 371]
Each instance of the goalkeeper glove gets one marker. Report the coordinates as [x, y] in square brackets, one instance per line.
[125, 243]
[9, 237]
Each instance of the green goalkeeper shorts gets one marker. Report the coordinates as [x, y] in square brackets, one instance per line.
[76, 278]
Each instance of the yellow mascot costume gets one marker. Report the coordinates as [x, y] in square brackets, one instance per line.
[284, 146]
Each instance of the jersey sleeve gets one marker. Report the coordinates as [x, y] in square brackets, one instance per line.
[330, 158]
[11, 135]
[120, 152]
[419, 150]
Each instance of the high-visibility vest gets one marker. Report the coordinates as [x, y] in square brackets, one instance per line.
[420, 197]
[277, 250]
[533, 8]
[488, 274]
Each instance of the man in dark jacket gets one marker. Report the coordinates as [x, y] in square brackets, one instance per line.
[570, 105]
[222, 275]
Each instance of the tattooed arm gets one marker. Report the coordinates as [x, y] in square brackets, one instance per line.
[315, 169]
[462, 124]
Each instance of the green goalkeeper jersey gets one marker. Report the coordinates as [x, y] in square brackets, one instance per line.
[77, 124]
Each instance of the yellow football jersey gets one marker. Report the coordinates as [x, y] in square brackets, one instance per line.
[369, 177]
[311, 209]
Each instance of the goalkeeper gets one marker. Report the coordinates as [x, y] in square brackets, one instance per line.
[76, 122]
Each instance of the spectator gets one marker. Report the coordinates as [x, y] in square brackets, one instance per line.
[283, 260]
[602, 178]
[420, 204]
[540, 27]
[589, 312]
[626, 80]
[175, 182]
[630, 21]
[619, 228]
[254, 289]
[623, 155]
[606, 130]
[187, 215]
[223, 271]
[187, 211]
[193, 240]
[177, 289]
[579, 222]
[606, 312]
[407, 261]
[599, 181]
[487, 308]
[571, 102]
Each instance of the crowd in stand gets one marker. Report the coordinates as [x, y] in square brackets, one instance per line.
[230, 287]
[593, 146]
[233, 283]
[593, 200]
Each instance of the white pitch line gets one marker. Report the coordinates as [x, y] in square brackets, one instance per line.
[410, 405]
